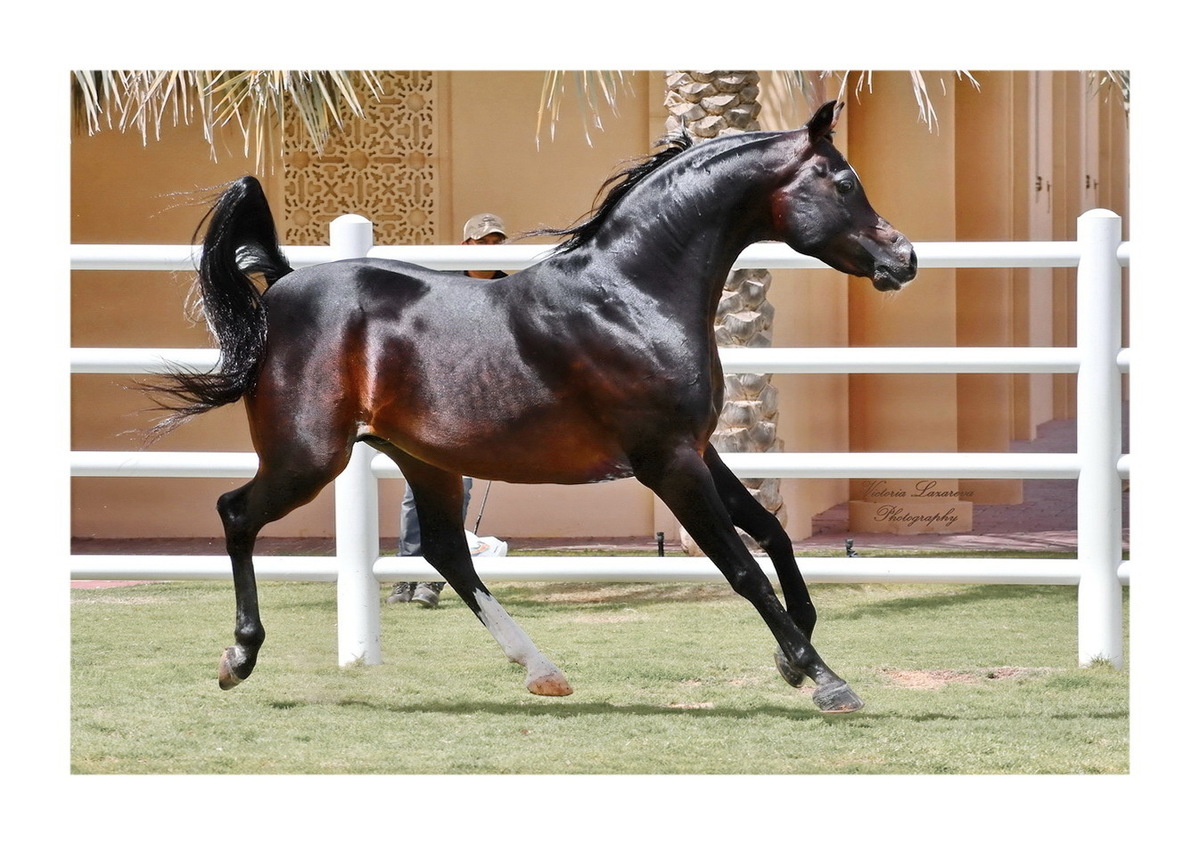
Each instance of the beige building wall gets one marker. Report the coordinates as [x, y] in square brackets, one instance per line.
[984, 172]
[488, 157]
[917, 412]
[124, 192]
[982, 175]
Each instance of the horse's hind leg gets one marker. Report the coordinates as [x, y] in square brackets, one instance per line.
[438, 496]
[269, 496]
[238, 660]
[684, 482]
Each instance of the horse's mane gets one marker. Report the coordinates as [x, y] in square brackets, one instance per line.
[618, 185]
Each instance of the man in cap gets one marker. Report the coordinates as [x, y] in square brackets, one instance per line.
[487, 229]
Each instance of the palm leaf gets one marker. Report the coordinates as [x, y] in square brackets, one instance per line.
[810, 85]
[1103, 81]
[257, 102]
[807, 86]
[590, 87]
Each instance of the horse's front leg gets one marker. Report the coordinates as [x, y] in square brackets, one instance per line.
[750, 516]
[685, 484]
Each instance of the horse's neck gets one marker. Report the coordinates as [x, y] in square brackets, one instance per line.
[675, 237]
[681, 248]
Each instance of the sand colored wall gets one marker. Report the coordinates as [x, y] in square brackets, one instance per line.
[122, 193]
[976, 177]
[912, 413]
[811, 309]
[984, 212]
[910, 177]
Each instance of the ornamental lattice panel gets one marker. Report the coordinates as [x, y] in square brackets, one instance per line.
[382, 167]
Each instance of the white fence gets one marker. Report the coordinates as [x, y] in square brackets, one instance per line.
[358, 567]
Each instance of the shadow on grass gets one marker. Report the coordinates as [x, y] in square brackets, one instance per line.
[803, 712]
[600, 595]
[562, 710]
[942, 599]
[608, 596]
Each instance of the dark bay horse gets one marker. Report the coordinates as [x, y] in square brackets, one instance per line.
[597, 363]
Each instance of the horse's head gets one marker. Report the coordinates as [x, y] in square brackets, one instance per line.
[821, 210]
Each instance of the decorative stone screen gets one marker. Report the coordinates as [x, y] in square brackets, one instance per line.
[383, 166]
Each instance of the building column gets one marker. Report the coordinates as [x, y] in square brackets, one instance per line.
[909, 173]
[983, 176]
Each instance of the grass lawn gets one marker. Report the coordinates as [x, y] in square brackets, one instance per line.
[668, 679]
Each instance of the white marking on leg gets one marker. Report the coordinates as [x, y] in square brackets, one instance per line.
[517, 646]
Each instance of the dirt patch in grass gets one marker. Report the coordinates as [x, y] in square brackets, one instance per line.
[939, 678]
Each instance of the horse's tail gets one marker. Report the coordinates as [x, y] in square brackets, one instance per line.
[240, 242]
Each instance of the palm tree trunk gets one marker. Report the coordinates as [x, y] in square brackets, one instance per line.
[710, 104]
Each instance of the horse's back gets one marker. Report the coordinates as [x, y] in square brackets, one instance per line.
[423, 359]
[353, 283]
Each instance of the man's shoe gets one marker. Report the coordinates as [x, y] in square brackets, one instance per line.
[426, 594]
[402, 592]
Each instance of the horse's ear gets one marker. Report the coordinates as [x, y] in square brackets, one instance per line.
[821, 124]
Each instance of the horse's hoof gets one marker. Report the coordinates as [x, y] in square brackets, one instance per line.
[549, 685]
[790, 673]
[836, 697]
[226, 677]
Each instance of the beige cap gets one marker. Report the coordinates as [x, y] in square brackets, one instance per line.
[482, 224]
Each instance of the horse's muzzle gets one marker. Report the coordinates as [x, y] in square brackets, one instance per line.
[894, 272]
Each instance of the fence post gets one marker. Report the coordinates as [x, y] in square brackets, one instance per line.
[1098, 337]
[356, 506]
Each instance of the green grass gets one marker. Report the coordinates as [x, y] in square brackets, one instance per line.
[668, 679]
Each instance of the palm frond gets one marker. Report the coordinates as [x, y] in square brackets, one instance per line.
[1103, 81]
[257, 102]
[89, 91]
[808, 86]
[926, 113]
[803, 86]
[591, 87]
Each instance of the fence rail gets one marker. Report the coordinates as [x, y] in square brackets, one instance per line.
[357, 567]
